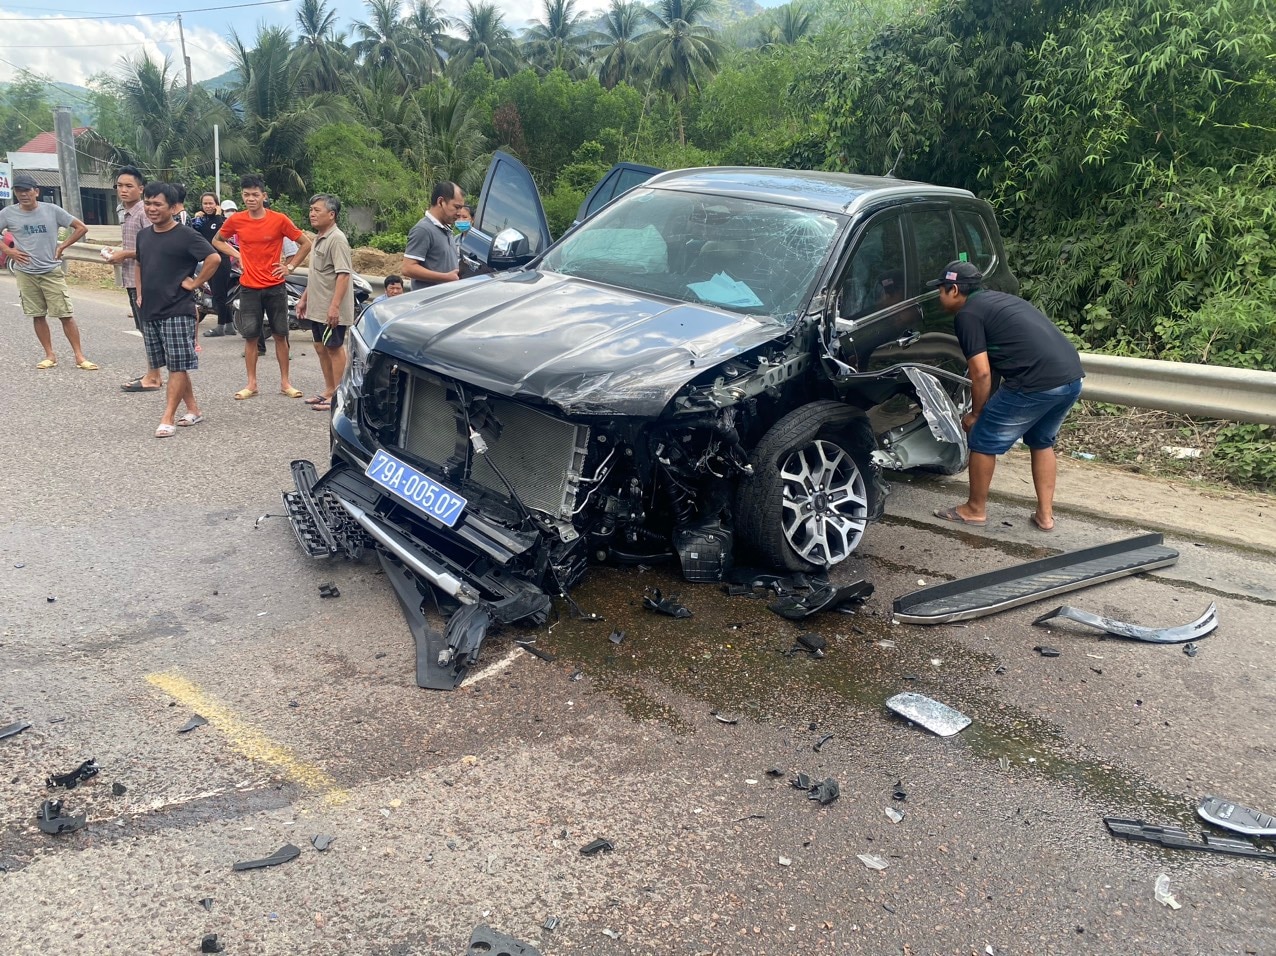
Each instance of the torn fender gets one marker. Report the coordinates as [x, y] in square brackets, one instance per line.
[1201, 627]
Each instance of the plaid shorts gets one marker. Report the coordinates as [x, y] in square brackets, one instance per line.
[171, 342]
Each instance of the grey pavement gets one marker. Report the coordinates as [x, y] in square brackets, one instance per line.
[177, 590]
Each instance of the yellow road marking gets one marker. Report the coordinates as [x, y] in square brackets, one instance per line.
[249, 741]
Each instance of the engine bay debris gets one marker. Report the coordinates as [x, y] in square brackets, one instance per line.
[53, 821]
[653, 600]
[73, 778]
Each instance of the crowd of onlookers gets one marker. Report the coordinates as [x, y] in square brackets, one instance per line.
[240, 256]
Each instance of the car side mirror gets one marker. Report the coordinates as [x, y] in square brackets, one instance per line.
[509, 249]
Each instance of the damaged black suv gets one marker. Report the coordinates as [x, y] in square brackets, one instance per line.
[718, 364]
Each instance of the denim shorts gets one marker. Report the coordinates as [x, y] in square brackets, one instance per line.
[1033, 416]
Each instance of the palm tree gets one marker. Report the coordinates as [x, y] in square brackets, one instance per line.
[321, 51]
[453, 146]
[680, 48]
[485, 37]
[276, 116]
[795, 22]
[378, 101]
[618, 53]
[384, 43]
[561, 40]
[427, 28]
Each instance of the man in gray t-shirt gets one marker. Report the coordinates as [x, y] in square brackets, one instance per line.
[431, 257]
[38, 254]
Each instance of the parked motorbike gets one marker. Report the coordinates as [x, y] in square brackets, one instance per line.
[296, 285]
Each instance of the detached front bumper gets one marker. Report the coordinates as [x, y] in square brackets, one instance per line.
[476, 564]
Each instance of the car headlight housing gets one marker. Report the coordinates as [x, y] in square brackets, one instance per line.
[357, 362]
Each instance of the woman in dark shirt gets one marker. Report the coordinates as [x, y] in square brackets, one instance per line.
[207, 223]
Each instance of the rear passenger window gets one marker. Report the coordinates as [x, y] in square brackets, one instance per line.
[875, 278]
[933, 237]
[972, 239]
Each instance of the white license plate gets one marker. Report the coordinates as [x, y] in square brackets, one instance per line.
[410, 486]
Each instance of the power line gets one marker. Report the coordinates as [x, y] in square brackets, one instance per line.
[155, 13]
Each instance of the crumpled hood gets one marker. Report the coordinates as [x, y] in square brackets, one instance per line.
[587, 348]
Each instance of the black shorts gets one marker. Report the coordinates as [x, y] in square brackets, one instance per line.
[132, 305]
[333, 336]
[271, 302]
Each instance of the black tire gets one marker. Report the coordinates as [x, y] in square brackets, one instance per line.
[821, 429]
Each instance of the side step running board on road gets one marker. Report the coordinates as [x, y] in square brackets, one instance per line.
[984, 594]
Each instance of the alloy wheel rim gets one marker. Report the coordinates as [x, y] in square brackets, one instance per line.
[825, 503]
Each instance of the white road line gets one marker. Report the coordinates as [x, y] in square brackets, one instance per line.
[501, 665]
[130, 332]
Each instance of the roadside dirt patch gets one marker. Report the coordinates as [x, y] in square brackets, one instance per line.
[373, 262]
[1143, 441]
[80, 272]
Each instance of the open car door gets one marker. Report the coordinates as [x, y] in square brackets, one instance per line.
[510, 228]
[619, 180]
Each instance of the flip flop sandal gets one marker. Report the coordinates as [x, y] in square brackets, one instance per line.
[166, 431]
[137, 386]
[1040, 526]
[315, 400]
[322, 406]
[952, 514]
[87, 366]
[47, 363]
[244, 393]
[190, 418]
[291, 392]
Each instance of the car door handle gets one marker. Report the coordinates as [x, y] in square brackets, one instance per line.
[911, 337]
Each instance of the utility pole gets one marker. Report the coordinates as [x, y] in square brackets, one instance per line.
[67, 165]
[182, 33]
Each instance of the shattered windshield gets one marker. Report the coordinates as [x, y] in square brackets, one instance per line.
[753, 257]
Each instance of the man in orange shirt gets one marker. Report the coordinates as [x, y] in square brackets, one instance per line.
[263, 297]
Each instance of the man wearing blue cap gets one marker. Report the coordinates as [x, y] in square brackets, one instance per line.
[1040, 381]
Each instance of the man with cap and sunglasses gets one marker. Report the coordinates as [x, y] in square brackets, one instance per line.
[1040, 381]
[37, 254]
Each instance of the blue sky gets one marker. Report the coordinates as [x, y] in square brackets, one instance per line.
[68, 40]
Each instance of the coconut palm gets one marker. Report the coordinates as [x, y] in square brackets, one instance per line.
[452, 143]
[383, 43]
[378, 101]
[796, 22]
[619, 60]
[320, 51]
[485, 37]
[427, 28]
[680, 49]
[277, 117]
[560, 41]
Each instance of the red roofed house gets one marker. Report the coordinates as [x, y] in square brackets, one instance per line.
[39, 157]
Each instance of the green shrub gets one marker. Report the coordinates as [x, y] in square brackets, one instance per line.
[389, 242]
[1248, 454]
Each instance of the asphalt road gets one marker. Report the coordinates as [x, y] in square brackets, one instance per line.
[139, 587]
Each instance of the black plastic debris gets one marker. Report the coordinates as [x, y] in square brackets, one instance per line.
[597, 846]
[899, 793]
[821, 597]
[209, 944]
[653, 600]
[284, 854]
[1175, 838]
[1191, 650]
[536, 651]
[13, 729]
[551, 923]
[1202, 626]
[51, 599]
[73, 778]
[118, 789]
[485, 941]
[50, 819]
[196, 721]
[725, 718]
[321, 841]
[802, 782]
[616, 637]
[1001, 669]
[1046, 651]
[811, 643]
[826, 791]
[819, 744]
[329, 591]
[207, 903]
[576, 675]
[775, 772]
[1232, 816]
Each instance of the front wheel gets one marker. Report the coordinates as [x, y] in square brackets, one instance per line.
[808, 502]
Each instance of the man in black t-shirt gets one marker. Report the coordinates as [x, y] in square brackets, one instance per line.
[1040, 382]
[167, 254]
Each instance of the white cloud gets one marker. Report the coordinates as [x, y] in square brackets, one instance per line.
[71, 51]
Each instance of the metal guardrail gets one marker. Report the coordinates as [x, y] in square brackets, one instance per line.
[1206, 391]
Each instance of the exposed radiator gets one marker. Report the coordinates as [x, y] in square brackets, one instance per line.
[540, 456]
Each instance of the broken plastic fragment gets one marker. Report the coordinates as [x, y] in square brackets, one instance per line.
[1045, 651]
[209, 944]
[775, 772]
[611, 934]
[726, 718]
[1175, 838]
[1161, 890]
[819, 744]
[118, 789]
[802, 782]
[207, 903]
[321, 842]
[1203, 625]
[597, 846]
[821, 597]
[616, 636]
[536, 651]
[551, 922]
[1191, 650]
[938, 718]
[50, 819]
[872, 861]
[329, 591]
[893, 815]
[814, 643]
[1233, 816]
[196, 721]
[653, 600]
[13, 729]
[282, 855]
[72, 779]
[826, 792]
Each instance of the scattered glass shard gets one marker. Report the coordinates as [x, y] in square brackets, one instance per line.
[872, 861]
[1161, 890]
[894, 815]
[938, 718]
